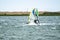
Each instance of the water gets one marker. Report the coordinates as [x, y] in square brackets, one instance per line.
[11, 28]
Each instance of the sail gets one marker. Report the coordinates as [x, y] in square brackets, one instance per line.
[33, 16]
[37, 12]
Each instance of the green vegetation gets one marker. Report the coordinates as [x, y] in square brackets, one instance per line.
[50, 14]
[27, 13]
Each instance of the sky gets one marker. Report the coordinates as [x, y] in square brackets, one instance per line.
[27, 5]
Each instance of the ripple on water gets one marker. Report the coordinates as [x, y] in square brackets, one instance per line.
[0, 26]
[5, 23]
[2, 20]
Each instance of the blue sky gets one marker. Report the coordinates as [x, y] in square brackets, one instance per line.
[26, 5]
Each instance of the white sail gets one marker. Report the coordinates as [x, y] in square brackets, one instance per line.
[31, 18]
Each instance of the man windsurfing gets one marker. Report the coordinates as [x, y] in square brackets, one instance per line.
[33, 17]
[36, 14]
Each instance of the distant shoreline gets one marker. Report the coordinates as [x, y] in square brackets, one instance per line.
[27, 13]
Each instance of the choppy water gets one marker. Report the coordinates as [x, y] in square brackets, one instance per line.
[11, 28]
